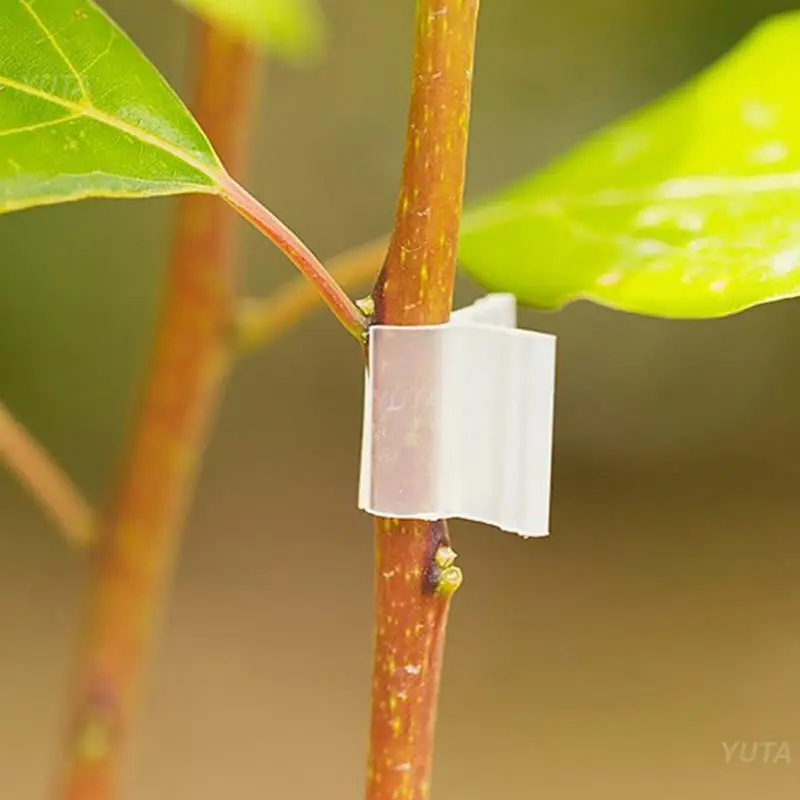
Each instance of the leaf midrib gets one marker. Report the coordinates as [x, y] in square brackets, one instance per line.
[86, 109]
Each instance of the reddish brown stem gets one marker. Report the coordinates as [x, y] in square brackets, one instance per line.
[289, 243]
[262, 321]
[187, 370]
[414, 574]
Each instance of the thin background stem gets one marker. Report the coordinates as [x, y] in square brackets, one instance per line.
[185, 377]
[259, 323]
[46, 481]
[414, 575]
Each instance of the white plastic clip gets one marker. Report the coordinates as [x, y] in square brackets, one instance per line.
[458, 420]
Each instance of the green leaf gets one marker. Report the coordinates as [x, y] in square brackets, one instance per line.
[690, 208]
[84, 114]
[289, 28]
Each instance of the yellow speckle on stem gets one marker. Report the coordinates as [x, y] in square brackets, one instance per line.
[94, 742]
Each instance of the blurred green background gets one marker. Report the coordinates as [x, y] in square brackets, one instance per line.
[609, 661]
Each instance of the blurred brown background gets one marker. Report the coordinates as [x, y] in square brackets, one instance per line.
[610, 661]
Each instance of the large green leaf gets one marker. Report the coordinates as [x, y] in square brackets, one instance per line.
[84, 114]
[688, 209]
[291, 28]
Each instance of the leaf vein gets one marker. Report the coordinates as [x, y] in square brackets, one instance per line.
[56, 46]
[38, 126]
[87, 109]
[100, 56]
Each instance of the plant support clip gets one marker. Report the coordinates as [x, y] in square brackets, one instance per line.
[458, 420]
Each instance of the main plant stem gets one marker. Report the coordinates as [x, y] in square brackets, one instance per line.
[414, 575]
[187, 371]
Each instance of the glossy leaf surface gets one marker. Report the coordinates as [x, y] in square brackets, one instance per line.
[690, 208]
[84, 114]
